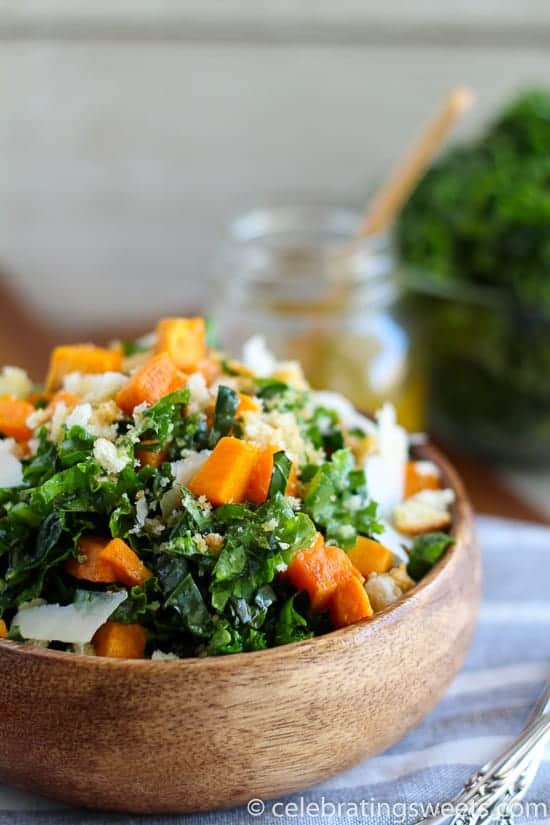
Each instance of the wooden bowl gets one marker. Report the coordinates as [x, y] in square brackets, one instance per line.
[195, 734]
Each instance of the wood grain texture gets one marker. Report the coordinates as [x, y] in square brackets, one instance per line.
[198, 734]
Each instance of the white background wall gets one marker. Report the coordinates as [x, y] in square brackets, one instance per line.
[129, 134]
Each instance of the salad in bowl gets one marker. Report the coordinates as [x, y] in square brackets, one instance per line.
[161, 500]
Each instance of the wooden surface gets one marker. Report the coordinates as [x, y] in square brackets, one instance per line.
[204, 733]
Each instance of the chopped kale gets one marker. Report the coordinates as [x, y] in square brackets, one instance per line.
[426, 550]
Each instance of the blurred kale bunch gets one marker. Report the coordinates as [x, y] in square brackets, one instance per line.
[482, 214]
[481, 218]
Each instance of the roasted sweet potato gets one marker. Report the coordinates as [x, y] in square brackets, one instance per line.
[350, 603]
[83, 358]
[260, 478]
[225, 475]
[183, 339]
[13, 417]
[370, 556]
[126, 564]
[156, 378]
[92, 568]
[320, 570]
[120, 641]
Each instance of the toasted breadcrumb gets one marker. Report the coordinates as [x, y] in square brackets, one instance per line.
[424, 512]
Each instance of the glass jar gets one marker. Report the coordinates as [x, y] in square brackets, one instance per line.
[295, 275]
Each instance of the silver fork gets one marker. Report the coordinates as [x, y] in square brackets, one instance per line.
[505, 779]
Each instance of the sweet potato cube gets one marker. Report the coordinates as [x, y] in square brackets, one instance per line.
[350, 603]
[3, 629]
[370, 556]
[224, 476]
[156, 378]
[320, 570]
[13, 417]
[120, 641]
[183, 339]
[83, 358]
[92, 568]
[247, 404]
[150, 458]
[126, 564]
[260, 479]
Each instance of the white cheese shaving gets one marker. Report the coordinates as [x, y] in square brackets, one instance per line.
[385, 467]
[394, 541]
[73, 623]
[11, 469]
[161, 656]
[112, 460]
[184, 469]
[142, 510]
[258, 358]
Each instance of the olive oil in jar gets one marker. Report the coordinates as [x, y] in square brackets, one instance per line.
[296, 276]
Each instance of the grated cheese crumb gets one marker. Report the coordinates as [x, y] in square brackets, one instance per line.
[279, 429]
[94, 388]
[112, 460]
[15, 381]
[199, 395]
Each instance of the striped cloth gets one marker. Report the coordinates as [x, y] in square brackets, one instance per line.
[483, 709]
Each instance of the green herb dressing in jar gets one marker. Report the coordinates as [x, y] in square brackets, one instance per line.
[295, 275]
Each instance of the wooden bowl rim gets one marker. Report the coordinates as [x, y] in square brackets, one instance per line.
[353, 634]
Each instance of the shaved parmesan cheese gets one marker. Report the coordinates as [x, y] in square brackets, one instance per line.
[258, 358]
[385, 468]
[184, 469]
[161, 656]
[94, 388]
[11, 470]
[15, 381]
[74, 623]
[394, 541]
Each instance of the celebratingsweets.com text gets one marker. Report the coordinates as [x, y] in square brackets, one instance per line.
[399, 812]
